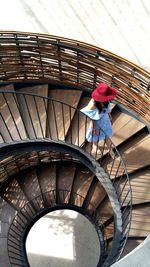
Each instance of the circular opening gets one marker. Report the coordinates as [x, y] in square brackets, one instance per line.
[63, 238]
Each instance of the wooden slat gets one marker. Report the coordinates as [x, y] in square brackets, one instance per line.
[95, 195]
[29, 184]
[11, 116]
[60, 124]
[124, 127]
[73, 63]
[140, 225]
[76, 133]
[135, 155]
[138, 155]
[47, 177]
[14, 195]
[82, 183]
[109, 230]
[35, 109]
[65, 176]
[105, 211]
[140, 185]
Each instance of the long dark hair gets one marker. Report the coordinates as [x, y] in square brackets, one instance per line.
[101, 105]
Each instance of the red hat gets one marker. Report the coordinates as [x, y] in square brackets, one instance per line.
[104, 92]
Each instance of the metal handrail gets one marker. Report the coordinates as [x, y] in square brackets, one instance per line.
[35, 208]
[56, 127]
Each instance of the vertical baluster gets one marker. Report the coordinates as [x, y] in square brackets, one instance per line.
[63, 120]
[28, 110]
[47, 117]
[55, 119]
[37, 111]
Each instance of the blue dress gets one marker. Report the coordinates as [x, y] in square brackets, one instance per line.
[101, 121]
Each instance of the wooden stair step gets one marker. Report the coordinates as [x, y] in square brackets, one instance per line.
[60, 116]
[29, 184]
[140, 224]
[109, 230]
[65, 176]
[113, 168]
[47, 177]
[76, 134]
[140, 184]
[104, 211]
[12, 127]
[14, 195]
[137, 156]
[134, 156]
[82, 182]
[124, 127]
[34, 112]
[95, 195]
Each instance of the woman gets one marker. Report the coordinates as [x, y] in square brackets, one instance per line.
[98, 109]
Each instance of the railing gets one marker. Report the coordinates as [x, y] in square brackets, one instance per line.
[35, 208]
[28, 56]
[26, 117]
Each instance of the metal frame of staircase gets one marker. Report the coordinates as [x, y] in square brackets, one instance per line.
[26, 57]
[118, 198]
[32, 211]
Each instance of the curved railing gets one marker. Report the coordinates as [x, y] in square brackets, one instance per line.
[41, 57]
[40, 118]
[33, 210]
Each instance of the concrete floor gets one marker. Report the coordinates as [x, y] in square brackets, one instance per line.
[139, 257]
[63, 238]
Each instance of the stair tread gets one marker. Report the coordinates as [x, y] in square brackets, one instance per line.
[36, 109]
[137, 156]
[13, 128]
[95, 195]
[76, 133]
[109, 230]
[140, 224]
[134, 157]
[65, 176]
[29, 184]
[105, 211]
[124, 127]
[140, 183]
[14, 195]
[58, 124]
[47, 177]
[82, 182]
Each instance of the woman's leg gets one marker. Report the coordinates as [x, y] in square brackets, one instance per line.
[95, 148]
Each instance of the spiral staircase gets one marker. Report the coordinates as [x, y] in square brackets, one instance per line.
[46, 163]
